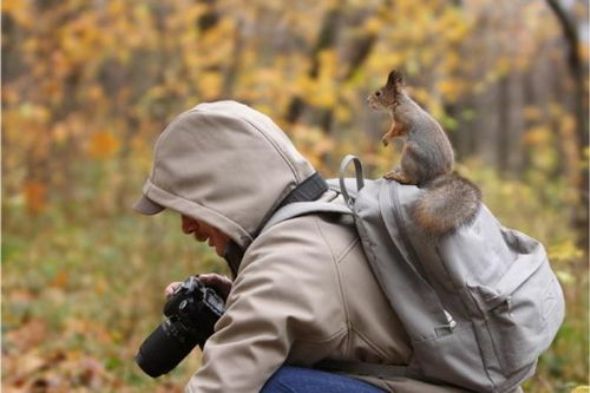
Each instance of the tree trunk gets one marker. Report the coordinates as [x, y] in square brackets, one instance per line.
[326, 39]
[578, 73]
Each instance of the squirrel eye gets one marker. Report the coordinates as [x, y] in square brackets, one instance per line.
[378, 93]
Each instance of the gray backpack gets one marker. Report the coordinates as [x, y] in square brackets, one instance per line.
[480, 304]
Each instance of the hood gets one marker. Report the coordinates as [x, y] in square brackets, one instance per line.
[226, 164]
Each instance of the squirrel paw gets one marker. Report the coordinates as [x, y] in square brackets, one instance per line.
[398, 176]
[385, 140]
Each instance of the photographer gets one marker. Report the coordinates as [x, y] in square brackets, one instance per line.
[302, 293]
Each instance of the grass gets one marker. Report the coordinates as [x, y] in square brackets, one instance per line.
[90, 288]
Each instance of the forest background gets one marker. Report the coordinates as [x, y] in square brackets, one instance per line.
[88, 86]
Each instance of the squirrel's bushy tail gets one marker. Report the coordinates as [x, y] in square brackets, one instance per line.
[449, 202]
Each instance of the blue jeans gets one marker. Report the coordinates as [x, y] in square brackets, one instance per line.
[305, 380]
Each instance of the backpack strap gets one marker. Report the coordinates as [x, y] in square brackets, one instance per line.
[358, 174]
[297, 209]
[309, 190]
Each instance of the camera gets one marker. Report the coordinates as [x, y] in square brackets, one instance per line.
[191, 312]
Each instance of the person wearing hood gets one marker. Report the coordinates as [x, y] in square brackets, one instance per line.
[302, 291]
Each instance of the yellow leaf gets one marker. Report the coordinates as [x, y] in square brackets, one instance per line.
[451, 89]
[537, 136]
[20, 10]
[565, 250]
[210, 85]
[373, 25]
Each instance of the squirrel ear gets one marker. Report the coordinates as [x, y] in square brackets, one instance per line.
[395, 79]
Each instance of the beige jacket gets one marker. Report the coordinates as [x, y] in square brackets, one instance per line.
[304, 291]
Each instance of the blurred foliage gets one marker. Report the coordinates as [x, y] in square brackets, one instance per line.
[88, 85]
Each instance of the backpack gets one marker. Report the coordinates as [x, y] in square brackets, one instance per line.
[480, 304]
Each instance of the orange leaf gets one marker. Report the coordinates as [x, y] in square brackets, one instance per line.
[61, 279]
[35, 196]
[103, 145]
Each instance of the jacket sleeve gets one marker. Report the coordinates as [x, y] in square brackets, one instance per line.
[280, 296]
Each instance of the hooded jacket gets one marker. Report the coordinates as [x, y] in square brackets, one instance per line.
[303, 291]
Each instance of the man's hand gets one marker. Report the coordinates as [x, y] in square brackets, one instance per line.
[221, 284]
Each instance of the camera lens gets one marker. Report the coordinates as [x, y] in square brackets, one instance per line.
[191, 314]
[162, 350]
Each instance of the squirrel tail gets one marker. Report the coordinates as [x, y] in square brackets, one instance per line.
[450, 201]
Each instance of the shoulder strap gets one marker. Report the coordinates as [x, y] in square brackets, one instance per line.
[297, 209]
[309, 190]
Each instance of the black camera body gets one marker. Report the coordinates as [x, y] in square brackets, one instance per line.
[191, 312]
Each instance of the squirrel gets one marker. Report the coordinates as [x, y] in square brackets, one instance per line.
[449, 201]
